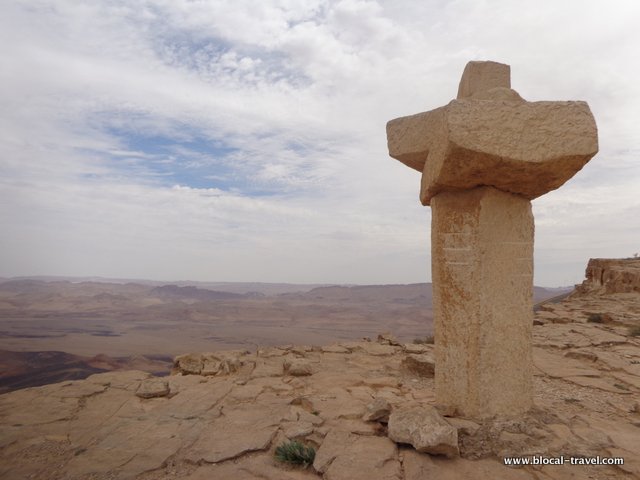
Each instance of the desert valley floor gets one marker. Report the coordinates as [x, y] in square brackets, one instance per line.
[60, 330]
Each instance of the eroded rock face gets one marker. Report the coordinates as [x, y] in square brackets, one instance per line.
[611, 275]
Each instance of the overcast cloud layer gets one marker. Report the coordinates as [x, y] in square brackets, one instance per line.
[245, 141]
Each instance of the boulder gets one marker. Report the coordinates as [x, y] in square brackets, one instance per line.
[298, 368]
[425, 429]
[153, 387]
[422, 365]
[188, 364]
[378, 410]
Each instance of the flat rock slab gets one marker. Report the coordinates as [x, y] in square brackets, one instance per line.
[99, 428]
[345, 456]
[153, 387]
[418, 466]
[425, 429]
[235, 433]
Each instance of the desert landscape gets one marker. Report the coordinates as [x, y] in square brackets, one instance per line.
[214, 250]
[53, 330]
[366, 407]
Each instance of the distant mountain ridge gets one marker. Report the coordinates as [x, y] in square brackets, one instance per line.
[194, 293]
[418, 292]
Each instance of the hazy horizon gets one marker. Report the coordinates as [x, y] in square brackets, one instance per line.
[84, 278]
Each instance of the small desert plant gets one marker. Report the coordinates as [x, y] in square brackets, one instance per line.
[296, 453]
[595, 318]
[634, 331]
[424, 340]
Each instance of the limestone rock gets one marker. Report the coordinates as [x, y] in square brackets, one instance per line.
[334, 349]
[218, 363]
[188, 364]
[425, 429]
[344, 456]
[421, 467]
[482, 267]
[294, 430]
[378, 349]
[335, 442]
[153, 387]
[388, 339]
[417, 348]
[422, 365]
[483, 157]
[609, 275]
[98, 428]
[298, 368]
[481, 76]
[526, 148]
[378, 410]
[239, 431]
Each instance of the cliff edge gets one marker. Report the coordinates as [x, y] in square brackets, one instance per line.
[611, 275]
[367, 408]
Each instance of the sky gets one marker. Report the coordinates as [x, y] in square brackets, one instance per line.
[245, 141]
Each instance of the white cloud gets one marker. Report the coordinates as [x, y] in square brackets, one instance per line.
[300, 91]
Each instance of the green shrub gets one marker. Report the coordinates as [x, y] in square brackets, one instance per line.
[595, 318]
[424, 340]
[296, 453]
[634, 331]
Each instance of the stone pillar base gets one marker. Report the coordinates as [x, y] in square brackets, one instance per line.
[482, 264]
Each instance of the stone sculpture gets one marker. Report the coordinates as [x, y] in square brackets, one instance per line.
[483, 158]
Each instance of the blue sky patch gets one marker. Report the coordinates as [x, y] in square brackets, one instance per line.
[191, 160]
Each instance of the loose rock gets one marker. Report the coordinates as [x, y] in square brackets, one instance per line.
[153, 387]
[425, 429]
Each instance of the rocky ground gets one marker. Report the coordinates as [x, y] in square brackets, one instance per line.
[222, 415]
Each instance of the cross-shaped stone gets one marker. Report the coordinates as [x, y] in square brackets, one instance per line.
[483, 157]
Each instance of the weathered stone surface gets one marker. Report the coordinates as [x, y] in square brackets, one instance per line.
[153, 387]
[419, 466]
[333, 445]
[345, 456]
[417, 348]
[239, 431]
[377, 349]
[378, 410]
[421, 365]
[611, 275]
[499, 140]
[388, 339]
[251, 467]
[481, 76]
[425, 429]
[334, 349]
[188, 364]
[98, 428]
[519, 147]
[482, 265]
[483, 157]
[298, 368]
[210, 363]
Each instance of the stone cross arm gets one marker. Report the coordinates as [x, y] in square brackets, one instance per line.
[491, 136]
